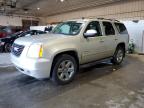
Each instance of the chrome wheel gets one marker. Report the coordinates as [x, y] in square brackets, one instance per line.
[119, 56]
[65, 70]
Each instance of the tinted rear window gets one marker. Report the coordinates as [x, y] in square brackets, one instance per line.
[108, 28]
[121, 28]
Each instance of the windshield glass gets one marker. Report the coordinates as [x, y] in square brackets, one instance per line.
[68, 28]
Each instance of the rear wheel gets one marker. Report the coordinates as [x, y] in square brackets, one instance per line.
[64, 69]
[118, 56]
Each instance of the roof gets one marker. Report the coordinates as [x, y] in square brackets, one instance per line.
[91, 19]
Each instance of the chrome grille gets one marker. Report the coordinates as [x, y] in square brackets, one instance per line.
[17, 49]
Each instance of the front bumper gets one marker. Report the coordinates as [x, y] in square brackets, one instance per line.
[37, 68]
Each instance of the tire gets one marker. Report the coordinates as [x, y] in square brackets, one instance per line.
[7, 47]
[118, 56]
[1, 49]
[64, 69]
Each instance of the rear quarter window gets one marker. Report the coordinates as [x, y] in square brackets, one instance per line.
[121, 28]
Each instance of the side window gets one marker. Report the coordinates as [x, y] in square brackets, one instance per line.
[95, 25]
[108, 28]
[121, 28]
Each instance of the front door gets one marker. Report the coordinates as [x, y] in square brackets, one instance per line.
[92, 46]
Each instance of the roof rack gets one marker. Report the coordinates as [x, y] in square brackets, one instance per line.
[102, 19]
[109, 19]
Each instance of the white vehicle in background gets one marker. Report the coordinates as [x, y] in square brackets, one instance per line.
[57, 55]
[47, 28]
[42, 28]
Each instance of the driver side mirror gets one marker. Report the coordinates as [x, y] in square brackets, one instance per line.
[90, 33]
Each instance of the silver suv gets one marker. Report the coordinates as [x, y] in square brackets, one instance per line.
[72, 43]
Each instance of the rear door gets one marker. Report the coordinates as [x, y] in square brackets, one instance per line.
[108, 39]
[122, 35]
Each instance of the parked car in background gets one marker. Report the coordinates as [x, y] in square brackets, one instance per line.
[1, 47]
[47, 28]
[3, 33]
[6, 43]
[72, 43]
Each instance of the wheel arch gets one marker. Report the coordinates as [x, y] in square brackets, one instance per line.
[122, 44]
[72, 53]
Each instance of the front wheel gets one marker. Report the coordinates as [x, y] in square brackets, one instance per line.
[1, 49]
[64, 69]
[118, 56]
[8, 47]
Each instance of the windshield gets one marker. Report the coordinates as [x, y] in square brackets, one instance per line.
[68, 28]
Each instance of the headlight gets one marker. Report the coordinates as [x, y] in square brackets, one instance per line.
[35, 51]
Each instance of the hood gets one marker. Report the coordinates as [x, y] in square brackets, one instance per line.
[39, 38]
